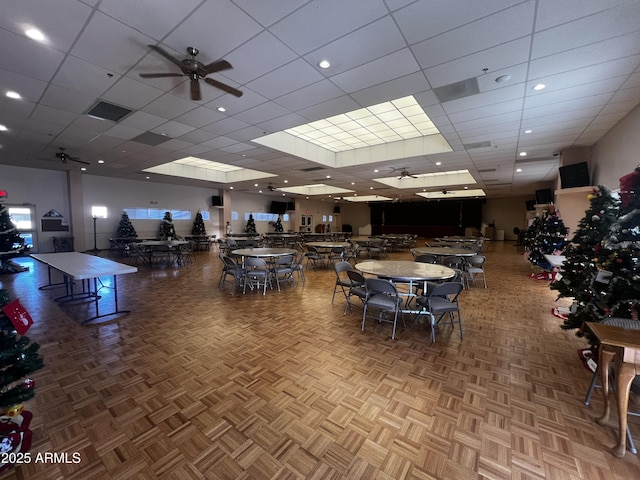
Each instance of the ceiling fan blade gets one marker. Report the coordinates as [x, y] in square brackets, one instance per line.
[223, 86]
[217, 66]
[77, 160]
[166, 55]
[195, 89]
[160, 75]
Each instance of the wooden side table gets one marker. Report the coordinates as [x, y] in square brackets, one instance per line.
[621, 346]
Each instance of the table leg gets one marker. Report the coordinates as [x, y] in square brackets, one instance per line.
[625, 373]
[605, 357]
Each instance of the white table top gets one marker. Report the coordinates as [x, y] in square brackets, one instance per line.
[329, 244]
[81, 266]
[167, 243]
[555, 260]
[445, 251]
[405, 270]
[264, 252]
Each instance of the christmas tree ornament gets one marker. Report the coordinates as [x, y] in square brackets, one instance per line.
[14, 410]
[595, 218]
[591, 196]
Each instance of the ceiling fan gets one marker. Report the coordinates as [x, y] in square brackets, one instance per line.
[271, 188]
[195, 70]
[404, 173]
[65, 157]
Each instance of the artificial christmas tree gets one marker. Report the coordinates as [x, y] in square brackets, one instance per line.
[546, 235]
[198, 225]
[18, 359]
[251, 226]
[167, 230]
[583, 255]
[278, 226]
[9, 236]
[622, 295]
[125, 228]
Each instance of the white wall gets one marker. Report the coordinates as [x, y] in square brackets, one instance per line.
[507, 213]
[46, 189]
[617, 153]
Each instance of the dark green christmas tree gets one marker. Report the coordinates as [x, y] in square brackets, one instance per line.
[278, 226]
[166, 227]
[9, 237]
[125, 228]
[545, 236]
[251, 226]
[622, 296]
[198, 225]
[18, 359]
[583, 257]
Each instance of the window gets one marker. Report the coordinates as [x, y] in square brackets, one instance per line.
[205, 214]
[265, 217]
[158, 214]
[23, 218]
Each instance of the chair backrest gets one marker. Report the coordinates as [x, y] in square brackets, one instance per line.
[255, 263]
[477, 261]
[342, 266]
[425, 258]
[453, 261]
[357, 278]
[285, 260]
[228, 261]
[450, 290]
[377, 285]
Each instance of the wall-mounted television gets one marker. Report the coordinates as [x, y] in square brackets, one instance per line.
[575, 175]
[279, 208]
[544, 196]
[216, 201]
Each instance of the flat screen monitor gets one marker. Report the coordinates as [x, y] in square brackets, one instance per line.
[544, 196]
[575, 175]
[279, 208]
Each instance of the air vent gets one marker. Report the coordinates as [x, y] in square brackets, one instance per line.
[539, 159]
[108, 111]
[152, 139]
[461, 89]
[311, 169]
[472, 146]
[487, 170]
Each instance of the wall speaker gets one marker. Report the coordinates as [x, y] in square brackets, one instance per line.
[544, 196]
[336, 209]
[216, 201]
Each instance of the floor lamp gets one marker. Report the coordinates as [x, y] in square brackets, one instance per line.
[96, 213]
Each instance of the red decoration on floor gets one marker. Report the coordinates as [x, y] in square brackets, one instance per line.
[548, 276]
[556, 313]
[588, 358]
[20, 318]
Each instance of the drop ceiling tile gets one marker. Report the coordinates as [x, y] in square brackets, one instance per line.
[42, 61]
[169, 106]
[412, 84]
[200, 116]
[377, 71]
[318, 23]
[285, 79]
[81, 76]
[68, 100]
[172, 129]
[207, 28]
[29, 88]
[123, 132]
[131, 93]
[144, 15]
[126, 45]
[304, 97]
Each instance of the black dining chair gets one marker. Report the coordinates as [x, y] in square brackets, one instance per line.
[439, 301]
[382, 299]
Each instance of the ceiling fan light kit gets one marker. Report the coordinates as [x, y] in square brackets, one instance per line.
[195, 70]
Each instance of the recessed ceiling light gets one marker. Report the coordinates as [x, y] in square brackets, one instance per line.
[328, 176]
[539, 86]
[376, 171]
[324, 64]
[221, 109]
[370, 188]
[100, 161]
[286, 181]
[503, 78]
[230, 188]
[84, 169]
[147, 178]
[3, 128]
[353, 183]
[255, 184]
[14, 95]
[34, 34]
[528, 131]
[523, 154]
[518, 170]
[259, 191]
[438, 163]
[466, 188]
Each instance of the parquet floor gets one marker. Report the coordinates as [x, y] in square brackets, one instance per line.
[198, 384]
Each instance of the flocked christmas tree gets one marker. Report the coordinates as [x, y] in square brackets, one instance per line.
[125, 228]
[622, 295]
[583, 256]
[198, 225]
[167, 230]
[251, 226]
[546, 235]
[9, 237]
[19, 358]
[278, 226]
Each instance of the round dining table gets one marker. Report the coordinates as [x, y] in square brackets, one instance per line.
[445, 251]
[264, 252]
